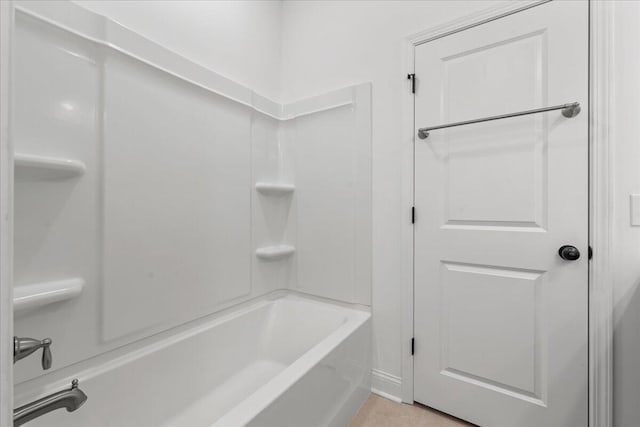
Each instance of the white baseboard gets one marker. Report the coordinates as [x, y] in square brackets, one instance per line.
[386, 385]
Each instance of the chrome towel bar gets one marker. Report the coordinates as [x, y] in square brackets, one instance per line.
[568, 110]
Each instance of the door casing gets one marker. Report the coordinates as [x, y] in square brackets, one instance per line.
[6, 218]
[600, 193]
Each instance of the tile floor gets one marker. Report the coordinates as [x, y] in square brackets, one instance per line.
[380, 412]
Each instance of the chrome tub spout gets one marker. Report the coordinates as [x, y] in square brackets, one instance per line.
[70, 399]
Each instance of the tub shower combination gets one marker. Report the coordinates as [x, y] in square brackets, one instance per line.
[187, 251]
[285, 360]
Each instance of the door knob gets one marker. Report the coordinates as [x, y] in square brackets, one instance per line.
[569, 253]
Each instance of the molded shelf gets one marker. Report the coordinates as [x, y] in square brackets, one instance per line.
[275, 252]
[274, 189]
[38, 294]
[33, 167]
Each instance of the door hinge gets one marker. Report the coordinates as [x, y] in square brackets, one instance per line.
[412, 77]
[413, 346]
[413, 214]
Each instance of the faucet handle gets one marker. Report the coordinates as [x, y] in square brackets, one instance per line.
[46, 353]
[22, 347]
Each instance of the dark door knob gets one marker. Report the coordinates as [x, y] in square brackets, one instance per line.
[569, 253]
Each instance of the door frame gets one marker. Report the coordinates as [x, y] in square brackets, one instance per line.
[6, 217]
[600, 369]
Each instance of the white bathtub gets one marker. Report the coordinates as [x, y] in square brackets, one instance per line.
[286, 360]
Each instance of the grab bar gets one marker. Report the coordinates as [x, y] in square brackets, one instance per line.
[568, 110]
[70, 399]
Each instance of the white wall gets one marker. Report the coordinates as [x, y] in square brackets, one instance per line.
[238, 39]
[625, 126]
[334, 44]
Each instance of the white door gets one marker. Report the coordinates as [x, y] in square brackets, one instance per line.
[500, 317]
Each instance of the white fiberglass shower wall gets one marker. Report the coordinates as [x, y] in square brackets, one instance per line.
[153, 196]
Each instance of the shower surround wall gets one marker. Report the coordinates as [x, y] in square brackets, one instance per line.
[152, 192]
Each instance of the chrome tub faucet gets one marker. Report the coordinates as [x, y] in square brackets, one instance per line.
[70, 399]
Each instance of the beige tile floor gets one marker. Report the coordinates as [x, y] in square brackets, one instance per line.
[380, 412]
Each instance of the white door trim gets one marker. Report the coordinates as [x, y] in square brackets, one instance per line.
[601, 50]
[600, 285]
[6, 214]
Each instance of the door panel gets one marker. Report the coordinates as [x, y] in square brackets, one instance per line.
[500, 318]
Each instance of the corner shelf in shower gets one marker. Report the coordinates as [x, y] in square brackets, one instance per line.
[275, 252]
[274, 188]
[36, 295]
[34, 167]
